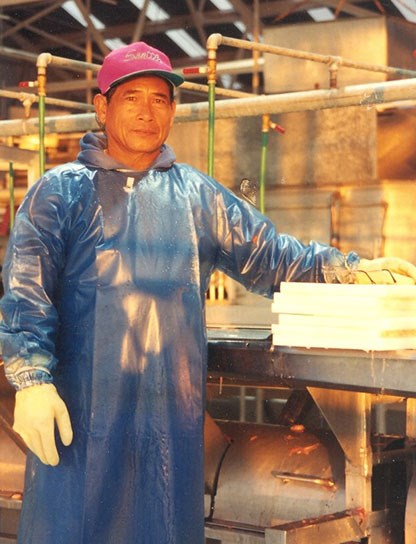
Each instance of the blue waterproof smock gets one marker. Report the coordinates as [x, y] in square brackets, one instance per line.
[105, 281]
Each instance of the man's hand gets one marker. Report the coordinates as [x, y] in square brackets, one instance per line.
[386, 270]
[36, 410]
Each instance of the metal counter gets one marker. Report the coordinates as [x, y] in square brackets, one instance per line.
[247, 356]
[344, 384]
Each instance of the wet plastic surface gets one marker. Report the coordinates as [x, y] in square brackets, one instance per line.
[105, 294]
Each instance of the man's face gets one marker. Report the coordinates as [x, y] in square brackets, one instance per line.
[137, 119]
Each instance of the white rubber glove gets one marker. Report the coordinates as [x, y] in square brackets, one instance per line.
[36, 410]
[403, 271]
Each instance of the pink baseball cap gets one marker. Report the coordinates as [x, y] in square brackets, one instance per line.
[133, 60]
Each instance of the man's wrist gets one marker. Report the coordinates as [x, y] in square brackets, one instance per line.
[27, 377]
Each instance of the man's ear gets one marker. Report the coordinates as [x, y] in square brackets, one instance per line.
[100, 105]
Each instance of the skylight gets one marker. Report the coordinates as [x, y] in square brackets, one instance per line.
[321, 15]
[180, 37]
[408, 9]
[222, 5]
[70, 7]
[225, 5]
[155, 13]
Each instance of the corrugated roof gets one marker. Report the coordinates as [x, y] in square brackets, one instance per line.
[87, 30]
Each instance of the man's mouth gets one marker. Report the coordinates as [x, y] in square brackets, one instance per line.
[145, 131]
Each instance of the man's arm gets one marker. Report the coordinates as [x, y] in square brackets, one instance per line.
[28, 328]
[255, 254]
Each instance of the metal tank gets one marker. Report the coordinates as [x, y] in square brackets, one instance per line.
[273, 474]
[276, 484]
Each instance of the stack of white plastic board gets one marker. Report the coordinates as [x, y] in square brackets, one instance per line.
[327, 315]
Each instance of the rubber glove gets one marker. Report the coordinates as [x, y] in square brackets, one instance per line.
[402, 272]
[36, 410]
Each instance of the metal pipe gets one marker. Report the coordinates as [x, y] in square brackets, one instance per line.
[265, 127]
[367, 95]
[211, 128]
[45, 59]
[255, 80]
[41, 64]
[334, 62]
[57, 124]
[17, 54]
[199, 87]
[22, 96]
[306, 55]
[212, 46]
[88, 57]
[333, 74]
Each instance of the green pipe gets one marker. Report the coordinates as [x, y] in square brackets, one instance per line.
[211, 126]
[11, 194]
[262, 187]
[42, 134]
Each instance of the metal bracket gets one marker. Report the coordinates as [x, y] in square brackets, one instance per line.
[340, 527]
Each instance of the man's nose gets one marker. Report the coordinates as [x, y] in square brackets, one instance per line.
[144, 109]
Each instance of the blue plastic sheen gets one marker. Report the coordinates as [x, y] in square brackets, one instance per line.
[104, 295]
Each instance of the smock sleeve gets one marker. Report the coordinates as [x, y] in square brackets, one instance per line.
[256, 255]
[34, 258]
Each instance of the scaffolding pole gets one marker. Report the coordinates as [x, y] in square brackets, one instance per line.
[366, 95]
[333, 62]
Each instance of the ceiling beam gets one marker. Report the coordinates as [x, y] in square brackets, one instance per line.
[195, 19]
[125, 31]
[350, 8]
[268, 9]
[198, 21]
[140, 23]
[39, 15]
[19, 40]
[279, 7]
[245, 13]
[48, 38]
[5, 3]
[95, 33]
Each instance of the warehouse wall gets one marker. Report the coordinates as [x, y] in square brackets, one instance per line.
[345, 176]
[319, 153]
[363, 40]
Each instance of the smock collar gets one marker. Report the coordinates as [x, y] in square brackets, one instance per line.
[92, 154]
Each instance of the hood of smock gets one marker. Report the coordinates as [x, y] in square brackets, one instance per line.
[93, 154]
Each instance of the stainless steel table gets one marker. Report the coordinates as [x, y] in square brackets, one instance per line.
[343, 384]
[248, 356]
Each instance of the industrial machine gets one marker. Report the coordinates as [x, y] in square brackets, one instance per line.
[308, 464]
[331, 465]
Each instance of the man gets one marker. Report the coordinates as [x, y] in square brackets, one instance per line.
[103, 327]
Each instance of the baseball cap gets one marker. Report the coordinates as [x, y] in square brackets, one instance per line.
[135, 59]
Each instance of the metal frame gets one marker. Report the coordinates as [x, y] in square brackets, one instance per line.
[342, 384]
[249, 358]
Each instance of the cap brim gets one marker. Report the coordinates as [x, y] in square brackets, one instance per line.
[173, 78]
